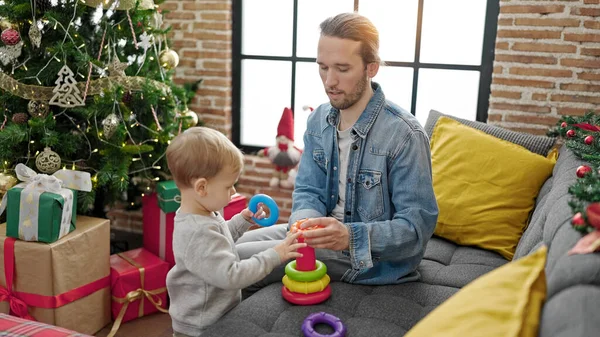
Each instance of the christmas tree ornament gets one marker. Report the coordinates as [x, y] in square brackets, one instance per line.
[66, 93]
[20, 118]
[578, 220]
[10, 37]
[38, 109]
[168, 59]
[189, 118]
[110, 125]
[589, 140]
[35, 36]
[9, 54]
[563, 125]
[156, 20]
[571, 133]
[117, 68]
[583, 170]
[6, 182]
[48, 161]
[593, 214]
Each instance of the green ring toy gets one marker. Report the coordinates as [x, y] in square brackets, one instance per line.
[306, 276]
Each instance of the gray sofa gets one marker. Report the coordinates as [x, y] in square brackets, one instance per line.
[573, 282]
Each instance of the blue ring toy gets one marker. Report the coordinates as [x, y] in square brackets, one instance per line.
[308, 327]
[270, 203]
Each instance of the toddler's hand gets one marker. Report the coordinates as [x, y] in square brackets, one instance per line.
[248, 215]
[287, 249]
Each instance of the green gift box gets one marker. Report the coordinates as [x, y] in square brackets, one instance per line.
[43, 207]
[169, 197]
[49, 216]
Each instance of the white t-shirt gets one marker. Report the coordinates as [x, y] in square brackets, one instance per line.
[344, 142]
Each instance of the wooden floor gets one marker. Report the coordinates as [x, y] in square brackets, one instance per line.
[156, 325]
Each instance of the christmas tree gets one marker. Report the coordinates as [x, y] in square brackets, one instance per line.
[87, 85]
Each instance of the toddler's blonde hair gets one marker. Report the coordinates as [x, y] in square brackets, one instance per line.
[201, 152]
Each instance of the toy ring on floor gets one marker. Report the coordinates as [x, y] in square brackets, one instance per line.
[306, 287]
[270, 203]
[308, 327]
[305, 276]
[305, 299]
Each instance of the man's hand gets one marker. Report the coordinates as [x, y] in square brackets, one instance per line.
[332, 234]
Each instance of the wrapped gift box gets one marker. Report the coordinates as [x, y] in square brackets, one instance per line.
[19, 327]
[138, 285]
[65, 283]
[43, 207]
[169, 197]
[158, 229]
[235, 206]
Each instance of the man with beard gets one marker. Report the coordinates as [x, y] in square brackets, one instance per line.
[365, 172]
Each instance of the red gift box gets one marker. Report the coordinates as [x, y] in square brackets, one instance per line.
[235, 206]
[138, 285]
[19, 327]
[158, 229]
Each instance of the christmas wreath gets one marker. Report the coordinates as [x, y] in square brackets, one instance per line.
[581, 134]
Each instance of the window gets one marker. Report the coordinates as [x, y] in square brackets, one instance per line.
[438, 53]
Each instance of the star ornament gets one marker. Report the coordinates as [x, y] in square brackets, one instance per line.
[117, 68]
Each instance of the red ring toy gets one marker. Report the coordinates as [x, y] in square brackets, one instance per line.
[305, 299]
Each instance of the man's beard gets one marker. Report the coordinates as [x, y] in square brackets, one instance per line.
[354, 97]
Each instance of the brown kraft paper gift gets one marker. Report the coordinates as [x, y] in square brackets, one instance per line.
[76, 261]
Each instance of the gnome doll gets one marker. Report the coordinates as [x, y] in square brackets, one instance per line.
[284, 155]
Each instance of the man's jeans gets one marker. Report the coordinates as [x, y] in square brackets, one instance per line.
[261, 239]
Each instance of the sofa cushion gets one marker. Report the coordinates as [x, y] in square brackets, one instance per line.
[534, 143]
[448, 264]
[505, 302]
[485, 186]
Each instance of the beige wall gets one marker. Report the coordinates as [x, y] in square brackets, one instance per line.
[547, 64]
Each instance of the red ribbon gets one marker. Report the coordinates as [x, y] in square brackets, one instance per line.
[587, 126]
[20, 301]
[17, 306]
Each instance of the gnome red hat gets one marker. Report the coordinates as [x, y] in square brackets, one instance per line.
[286, 124]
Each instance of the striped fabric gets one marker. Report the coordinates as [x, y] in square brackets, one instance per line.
[536, 144]
[11, 326]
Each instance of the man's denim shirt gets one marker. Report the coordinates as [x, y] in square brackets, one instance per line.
[391, 210]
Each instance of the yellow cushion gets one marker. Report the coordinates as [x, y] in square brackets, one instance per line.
[505, 302]
[485, 186]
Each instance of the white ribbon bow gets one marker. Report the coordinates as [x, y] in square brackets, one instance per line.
[31, 180]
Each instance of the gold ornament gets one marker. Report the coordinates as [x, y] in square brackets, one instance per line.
[48, 161]
[189, 118]
[109, 125]
[6, 182]
[168, 59]
[38, 109]
[117, 68]
[123, 4]
[4, 24]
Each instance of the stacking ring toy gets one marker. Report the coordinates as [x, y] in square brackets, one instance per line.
[308, 327]
[270, 203]
[306, 287]
[305, 276]
[305, 299]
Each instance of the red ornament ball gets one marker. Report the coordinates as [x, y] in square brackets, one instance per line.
[593, 214]
[578, 219]
[571, 133]
[583, 170]
[563, 125]
[589, 140]
[10, 37]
